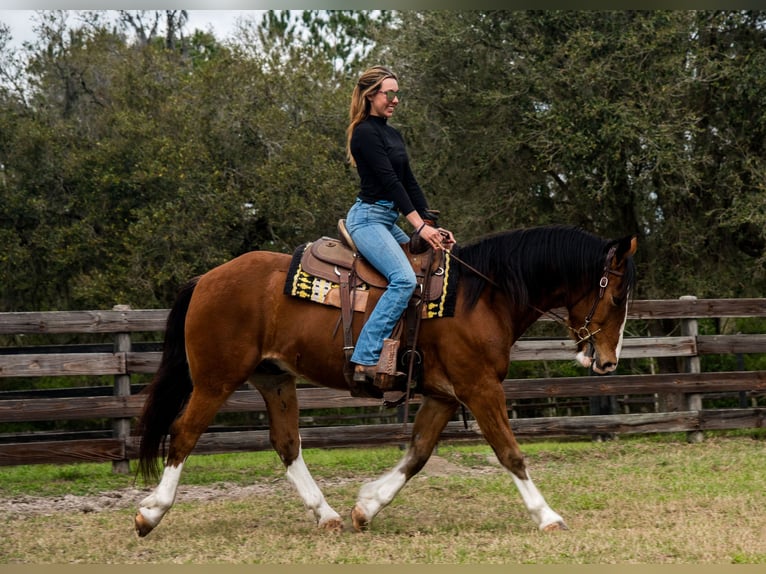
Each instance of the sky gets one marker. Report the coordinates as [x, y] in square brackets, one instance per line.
[223, 23]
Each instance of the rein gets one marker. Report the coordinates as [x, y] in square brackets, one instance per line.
[472, 268]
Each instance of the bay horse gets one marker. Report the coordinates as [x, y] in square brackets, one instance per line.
[234, 324]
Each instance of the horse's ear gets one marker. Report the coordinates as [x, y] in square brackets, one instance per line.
[626, 247]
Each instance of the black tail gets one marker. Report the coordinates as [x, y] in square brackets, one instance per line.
[168, 391]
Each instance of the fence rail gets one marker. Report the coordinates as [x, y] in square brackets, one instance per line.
[121, 404]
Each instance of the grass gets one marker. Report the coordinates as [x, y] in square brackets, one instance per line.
[645, 500]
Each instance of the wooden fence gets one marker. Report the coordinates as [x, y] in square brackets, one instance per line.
[125, 357]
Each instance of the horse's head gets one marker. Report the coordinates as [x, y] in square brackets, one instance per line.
[597, 320]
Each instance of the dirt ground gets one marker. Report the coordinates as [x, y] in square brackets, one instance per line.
[130, 497]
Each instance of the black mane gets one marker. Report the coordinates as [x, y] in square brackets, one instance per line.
[528, 261]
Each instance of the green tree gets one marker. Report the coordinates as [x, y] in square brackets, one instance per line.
[621, 122]
[136, 162]
[728, 199]
[134, 154]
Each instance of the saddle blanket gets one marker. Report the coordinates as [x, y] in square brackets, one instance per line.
[303, 285]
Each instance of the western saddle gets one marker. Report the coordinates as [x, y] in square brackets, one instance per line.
[339, 261]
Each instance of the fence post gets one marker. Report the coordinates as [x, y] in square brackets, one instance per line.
[121, 427]
[605, 405]
[602, 405]
[690, 328]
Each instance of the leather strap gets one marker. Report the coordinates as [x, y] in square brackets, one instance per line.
[347, 315]
[413, 331]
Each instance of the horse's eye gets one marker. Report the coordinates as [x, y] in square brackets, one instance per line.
[618, 301]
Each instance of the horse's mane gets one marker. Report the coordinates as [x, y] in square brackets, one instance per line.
[526, 261]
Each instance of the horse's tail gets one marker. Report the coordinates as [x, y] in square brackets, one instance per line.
[168, 391]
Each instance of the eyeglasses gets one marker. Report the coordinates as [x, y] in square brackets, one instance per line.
[391, 94]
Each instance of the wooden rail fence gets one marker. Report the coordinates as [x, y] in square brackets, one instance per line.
[127, 358]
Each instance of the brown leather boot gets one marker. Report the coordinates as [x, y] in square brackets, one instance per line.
[360, 382]
[364, 372]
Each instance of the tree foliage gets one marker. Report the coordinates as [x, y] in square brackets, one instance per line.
[621, 122]
[135, 153]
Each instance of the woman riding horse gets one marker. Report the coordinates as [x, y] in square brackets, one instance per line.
[234, 324]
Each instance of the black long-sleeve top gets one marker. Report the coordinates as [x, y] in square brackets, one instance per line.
[383, 166]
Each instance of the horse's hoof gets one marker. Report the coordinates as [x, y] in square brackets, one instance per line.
[556, 526]
[332, 525]
[142, 525]
[359, 519]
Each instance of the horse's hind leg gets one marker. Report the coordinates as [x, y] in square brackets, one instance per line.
[184, 434]
[282, 405]
[432, 417]
[487, 403]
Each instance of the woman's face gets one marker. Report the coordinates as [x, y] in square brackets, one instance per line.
[379, 104]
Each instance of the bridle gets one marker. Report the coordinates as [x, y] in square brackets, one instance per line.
[582, 334]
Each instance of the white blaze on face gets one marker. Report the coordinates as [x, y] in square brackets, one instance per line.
[622, 328]
[587, 361]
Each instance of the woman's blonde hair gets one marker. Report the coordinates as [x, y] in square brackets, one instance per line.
[369, 83]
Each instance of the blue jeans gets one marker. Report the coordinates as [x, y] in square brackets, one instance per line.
[373, 228]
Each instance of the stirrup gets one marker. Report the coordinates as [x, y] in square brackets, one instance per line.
[361, 386]
[395, 382]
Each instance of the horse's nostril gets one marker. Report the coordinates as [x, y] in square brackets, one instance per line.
[608, 366]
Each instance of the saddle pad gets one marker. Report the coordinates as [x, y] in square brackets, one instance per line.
[303, 285]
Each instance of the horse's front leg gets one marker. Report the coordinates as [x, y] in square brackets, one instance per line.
[282, 405]
[429, 423]
[487, 403]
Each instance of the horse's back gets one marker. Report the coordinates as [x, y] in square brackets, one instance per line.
[252, 276]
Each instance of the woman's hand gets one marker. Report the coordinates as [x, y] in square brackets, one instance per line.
[437, 238]
[448, 239]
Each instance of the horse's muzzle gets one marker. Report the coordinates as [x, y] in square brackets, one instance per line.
[598, 367]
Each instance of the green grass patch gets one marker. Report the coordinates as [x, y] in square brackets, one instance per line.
[248, 467]
[631, 500]
[58, 480]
